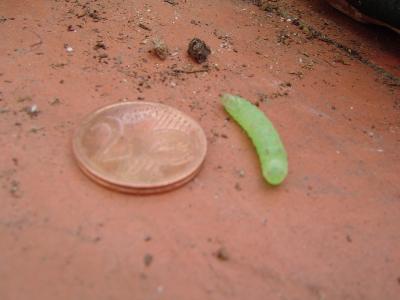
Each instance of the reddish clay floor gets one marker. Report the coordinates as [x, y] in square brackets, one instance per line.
[330, 85]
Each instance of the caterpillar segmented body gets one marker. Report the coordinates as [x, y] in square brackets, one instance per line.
[269, 147]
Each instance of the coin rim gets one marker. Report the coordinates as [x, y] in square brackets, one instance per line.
[141, 190]
[138, 188]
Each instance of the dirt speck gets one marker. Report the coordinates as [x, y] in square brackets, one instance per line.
[71, 28]
[147, 259]
[198, 50]
[55, 101]
[15, 190]
[172, 2]
[32, 111]
[100, 45]
[96, 239]
[222, 254]
[263, 98]
[145, 27]
[238, 187]
[241, 173]
[36, 129]
[284, 37]
[68, 48]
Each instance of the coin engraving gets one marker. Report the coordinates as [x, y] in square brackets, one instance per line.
[143, 144]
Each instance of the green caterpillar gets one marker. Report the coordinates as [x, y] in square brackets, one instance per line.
[270, 150]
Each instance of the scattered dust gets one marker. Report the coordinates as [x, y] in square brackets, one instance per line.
[311, 33]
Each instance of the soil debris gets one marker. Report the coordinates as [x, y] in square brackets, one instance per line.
[266, 5]
[100, 45]
[58, 65]
[93, 14]
[36, 129]
[340, 60]
[71, 28]
[222, 254]
[263, 98]
[241, 173]
[32, 111]
[68, 48]
[299, 75]
[24, 99]
[194, 22]
[147, 259]
[205, 68]
[15, 189]
[238, 187]
[396, 104]
[311, 33]
[284, 37]
[160, 49]
[143, 26]
[55, 101]
[101, 57]
[198, 50]
[172, 2]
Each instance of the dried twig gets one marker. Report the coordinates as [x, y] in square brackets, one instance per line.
[190, 71]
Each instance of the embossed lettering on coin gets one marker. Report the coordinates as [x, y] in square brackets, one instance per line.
[140, 144]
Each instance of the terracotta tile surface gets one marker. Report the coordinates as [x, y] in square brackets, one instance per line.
[331, 231]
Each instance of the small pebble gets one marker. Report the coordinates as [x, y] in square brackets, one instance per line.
[32, 111]
[198, 50]
[68, 48]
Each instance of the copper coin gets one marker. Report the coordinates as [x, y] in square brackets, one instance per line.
[140, 147]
